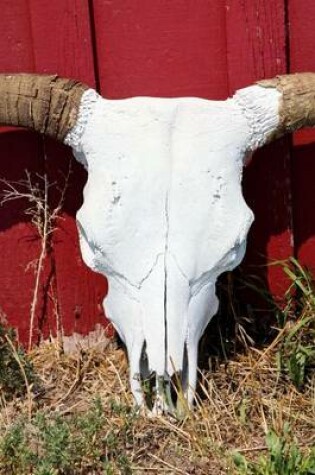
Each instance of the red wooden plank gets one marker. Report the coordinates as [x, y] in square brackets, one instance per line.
[256, 49]
[161, 48]
[62, 39]
[19, 151]
[62, 29]
[255, 40]
[50, 37]
[302, 58]
[15, 46]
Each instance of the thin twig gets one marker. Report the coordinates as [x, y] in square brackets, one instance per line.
[172, 467]
[42, 217]
[40, 265]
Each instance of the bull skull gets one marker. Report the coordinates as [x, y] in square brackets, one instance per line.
[163, 213]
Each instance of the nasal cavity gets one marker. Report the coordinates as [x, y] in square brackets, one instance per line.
[174, 389]
[179, 380]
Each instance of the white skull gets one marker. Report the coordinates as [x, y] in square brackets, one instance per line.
[164, 215]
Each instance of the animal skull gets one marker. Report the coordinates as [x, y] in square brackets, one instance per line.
[163, 213]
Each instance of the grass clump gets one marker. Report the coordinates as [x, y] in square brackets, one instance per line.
[16, 369]
[283, 457]
[296, 351]
[72, 445]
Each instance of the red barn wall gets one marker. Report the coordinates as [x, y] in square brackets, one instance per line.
[204, 48]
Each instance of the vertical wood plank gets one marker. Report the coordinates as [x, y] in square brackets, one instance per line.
[161, 48]
[256, 45]
[62, 29]
[46, 37]
[256, 48]
[19, 150]
[61, 38]
[302, 58]
[16, 52]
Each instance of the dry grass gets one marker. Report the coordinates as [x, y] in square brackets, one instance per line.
[238, 404]
[239, 401]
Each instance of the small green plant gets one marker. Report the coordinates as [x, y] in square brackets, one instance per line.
[283, 457]
[73, 445]
[16, 370]
[296, 351]
[15, 453]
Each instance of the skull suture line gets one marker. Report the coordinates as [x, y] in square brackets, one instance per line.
[163, 213]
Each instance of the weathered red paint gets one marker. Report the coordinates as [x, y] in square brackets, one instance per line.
[256, 48]
[161, 49]
[205, 48]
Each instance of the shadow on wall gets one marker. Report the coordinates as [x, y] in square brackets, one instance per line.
[303, 179]
[280, 191]
[20, 151]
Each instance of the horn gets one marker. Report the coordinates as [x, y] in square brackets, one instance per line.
[47, 104]
[297, 102]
